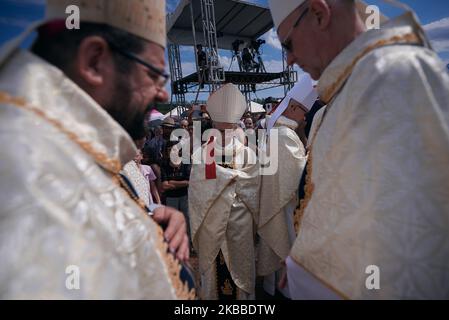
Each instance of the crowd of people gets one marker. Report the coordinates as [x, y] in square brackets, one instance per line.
[343, 194]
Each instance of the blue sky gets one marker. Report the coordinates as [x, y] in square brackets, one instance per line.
[15, 15]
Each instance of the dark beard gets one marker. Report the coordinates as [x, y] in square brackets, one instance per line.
[128, 116]
[137, 128]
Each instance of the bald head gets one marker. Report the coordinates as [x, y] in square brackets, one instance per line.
[325, 29]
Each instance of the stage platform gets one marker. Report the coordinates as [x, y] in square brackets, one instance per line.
[235, 77]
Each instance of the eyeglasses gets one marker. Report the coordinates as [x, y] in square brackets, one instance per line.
[162, 77]
[287, 43]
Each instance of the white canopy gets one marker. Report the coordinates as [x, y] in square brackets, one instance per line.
[256, 107]
[175, 112]
[235, 19]
[155, 115]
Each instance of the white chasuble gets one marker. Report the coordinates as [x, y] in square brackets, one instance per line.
[223, 212]
[278, 200]
[377, 224]
[68, 231]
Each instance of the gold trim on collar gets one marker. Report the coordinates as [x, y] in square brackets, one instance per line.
[112, 165]
[335, 86]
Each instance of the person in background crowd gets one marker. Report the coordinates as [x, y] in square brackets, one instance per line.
[248, 61]
[149, 175]
[168, 125]
[184, 124]
[155, 145]
[202, 64]
[248, 123]
[150, 159]
[175, 177]
[133, 171]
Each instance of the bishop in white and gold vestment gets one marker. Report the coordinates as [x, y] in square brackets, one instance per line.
[377, 191]
[278, 190]
[63, 213]
[223, 206]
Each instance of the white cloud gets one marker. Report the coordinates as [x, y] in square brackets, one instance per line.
[186, 49]
[443, 23]
[272, 39]
[225, 62]
[273, 65]
[440, 46]
[438, 33]
[188, 68]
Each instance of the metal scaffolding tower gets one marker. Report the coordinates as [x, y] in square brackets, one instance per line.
[246, 89]
[215, 72]
[174, 60]
[290, 76]
[230, 21]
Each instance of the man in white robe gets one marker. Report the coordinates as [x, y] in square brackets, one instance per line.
[70, 227]
[223, 203]
[278, 191]
[374, 222]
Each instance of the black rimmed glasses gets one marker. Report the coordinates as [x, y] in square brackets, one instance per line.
[287, 43]
[160, 77]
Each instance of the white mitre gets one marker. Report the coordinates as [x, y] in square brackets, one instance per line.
[143, 18]
[280, 10]
[227, 104]
[303, 92]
